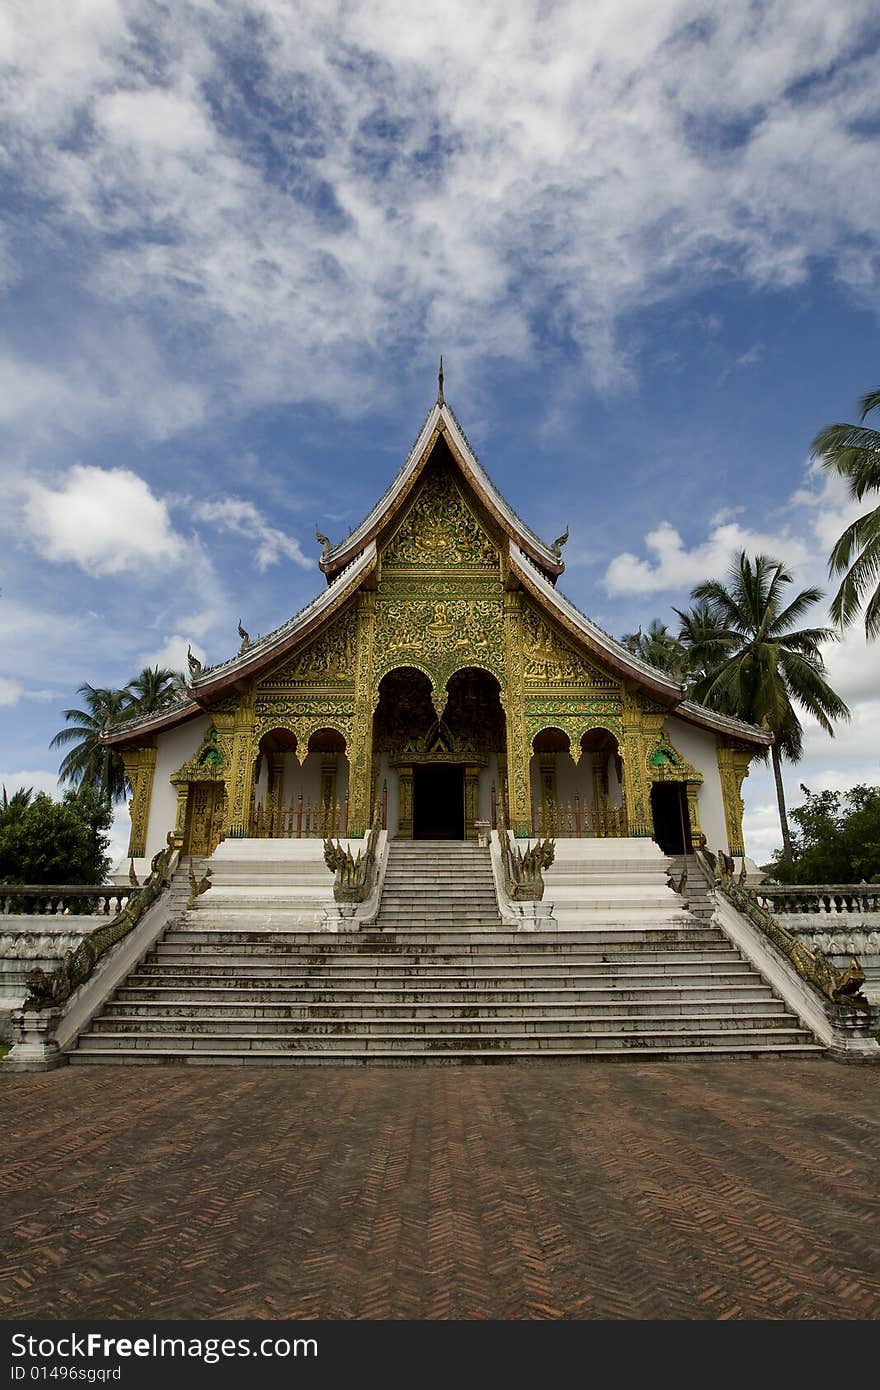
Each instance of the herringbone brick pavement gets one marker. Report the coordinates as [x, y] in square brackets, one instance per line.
[692, 1190]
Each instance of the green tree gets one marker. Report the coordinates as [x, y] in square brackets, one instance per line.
[701, 637]
[853, 451]
[88, 762]
[153, 689]
[658, 646]
[46, 841]
[759, 666]
[836, 838]
[11, 806]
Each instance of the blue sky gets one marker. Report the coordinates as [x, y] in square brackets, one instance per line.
[235, 237]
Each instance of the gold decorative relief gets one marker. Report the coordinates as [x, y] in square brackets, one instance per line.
[440, 530]
[549, 660]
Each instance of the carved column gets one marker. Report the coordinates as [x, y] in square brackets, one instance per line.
[180, 818]
[518, 750]
[405, 802]
[733, 767]
[600, 782]
[471, 801]
[698, 839]
[503, 803]
[641, 728]
[241, 777]
[360, 754]
[547, 765]
[140, 767]
[275, 791]
[329, 770]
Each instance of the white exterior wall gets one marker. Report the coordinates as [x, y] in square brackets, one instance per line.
[698, 747]
[175, 747]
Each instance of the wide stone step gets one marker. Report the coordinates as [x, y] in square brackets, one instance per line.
[483, 1025]
[655, 936]
[186, 1013]
[411, 997]
[385, 1042]
[328, 974]
[519, 1054]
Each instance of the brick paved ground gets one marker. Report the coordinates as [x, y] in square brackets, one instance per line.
[697, 1190]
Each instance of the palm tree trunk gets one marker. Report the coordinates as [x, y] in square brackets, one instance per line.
[780, 798]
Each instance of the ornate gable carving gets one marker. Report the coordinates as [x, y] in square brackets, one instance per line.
[207, 764]
[440, 530]
[329, 659]
[665, 763]
[549, 660]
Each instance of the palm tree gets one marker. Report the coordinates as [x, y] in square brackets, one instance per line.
[153, 689]
[854, 452]
[88, 762]
[758, 666]
[12, 806]
[658, 646]
[701, 636]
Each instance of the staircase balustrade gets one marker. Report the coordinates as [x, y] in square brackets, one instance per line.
[840, 987]
[812, 899]
[65, 899]
[47, 990]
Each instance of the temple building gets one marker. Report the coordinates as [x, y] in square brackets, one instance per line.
[439, 680]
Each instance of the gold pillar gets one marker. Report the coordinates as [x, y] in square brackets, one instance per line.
[471, 801]
[180, 818]
[641, 728]
[600, 781]
[275, 791]
[360, 754]
[241, 776]
[733, 767]
[405, 803]
[547, 765]
[140, 767]
[698, 839]
[518, 750]
[329, 769]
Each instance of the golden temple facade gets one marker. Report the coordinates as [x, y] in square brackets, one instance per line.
[440, 680]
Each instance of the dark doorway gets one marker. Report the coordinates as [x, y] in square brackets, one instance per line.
[438, 803]
[670, 814]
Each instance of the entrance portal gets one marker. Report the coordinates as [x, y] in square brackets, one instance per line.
[438, 802]
[669, 810]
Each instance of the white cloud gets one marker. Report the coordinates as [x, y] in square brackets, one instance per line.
[10, 691]
[172, 654]
[447, 182]
[40, 780]
[673, 566]
[106, 520]
[244, 519]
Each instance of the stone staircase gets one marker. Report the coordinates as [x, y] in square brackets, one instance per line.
[697, 891]
[439, 979]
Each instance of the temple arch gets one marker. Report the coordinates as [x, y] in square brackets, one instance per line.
[439, 753]
[300, 787]
[576, 784]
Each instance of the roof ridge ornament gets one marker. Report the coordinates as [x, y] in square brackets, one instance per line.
[557, 545]
[440, 382]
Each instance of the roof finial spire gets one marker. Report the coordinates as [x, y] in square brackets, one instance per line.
[440, 382]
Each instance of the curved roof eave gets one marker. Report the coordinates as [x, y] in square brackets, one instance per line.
[695, 713]
[134, 729]
[212, 681]
[443, 418]
[612, 652]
